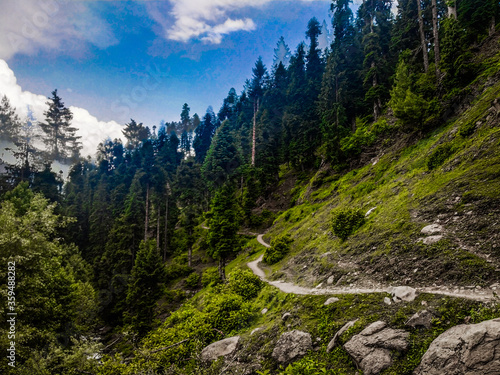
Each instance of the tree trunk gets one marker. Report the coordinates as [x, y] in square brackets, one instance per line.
[255, 109]
[452, 9]
[158, 230]
[146, 221]
[165, 235]
[190, 255]
[377, 105]
[492, 25]
[222, 272]
[435, 30]
[422, 37]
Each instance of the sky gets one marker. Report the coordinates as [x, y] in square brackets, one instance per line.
[116, 60]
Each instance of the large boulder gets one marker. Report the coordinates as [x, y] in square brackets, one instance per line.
[403, 293]
[464, 349]
[291, 346]
[371, 349]
[220, 348]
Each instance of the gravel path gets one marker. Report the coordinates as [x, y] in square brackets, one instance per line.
[473, 293]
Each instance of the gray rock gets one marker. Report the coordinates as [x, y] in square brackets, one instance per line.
[387, 301]
[432, 239]
[292, 345]
[329, 301]
[403, 293]
[371, 349]
[264, 310]
[255, 330]
[330, 280]
[370, 211]
[432, 229]
[420, 319]
[333, 342]
[464, 350]
[220, 348]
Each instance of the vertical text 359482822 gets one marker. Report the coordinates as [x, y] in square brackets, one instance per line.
[11, 313]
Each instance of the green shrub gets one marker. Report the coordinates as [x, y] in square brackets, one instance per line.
[227, 312]
[439, 156]
[245, 284]
[280, 246]
[467, 130]
[346, 221]
[192, 280]
[210, 277]
[176, 270]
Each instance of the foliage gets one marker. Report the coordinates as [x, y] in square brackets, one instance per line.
[192, 280]
[467, 129]
[210, 277]
[280, 247]
[245, 283]
[346, 221]
[439, 156]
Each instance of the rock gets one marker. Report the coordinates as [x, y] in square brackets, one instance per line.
[387, 301]
[420, 319]
[370, 211]
[264, 310]
[329, 301]
[330, 280]
[255, 330]
[432, 239]
[464, 349]
[292, 345]
[319, 285]
[286, 316]
[432, 229]
[403, 293]
[333, 342]
[371, 349]
[220, 348]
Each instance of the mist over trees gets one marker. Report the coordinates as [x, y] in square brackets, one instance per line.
[137, 209]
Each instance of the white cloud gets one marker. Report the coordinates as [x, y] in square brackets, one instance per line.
[89, 127]
[207, 20]
[28, 26]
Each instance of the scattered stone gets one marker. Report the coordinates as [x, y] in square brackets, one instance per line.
[387, 301]
[420, 319]
[319, 285]
[432, 239]
[333, 342]
[264, 310]
[220, 348]
[432, 229]
[330, 280]
[292, 345]
[286, 316]
[464, 349]
[331, 300]
[370, 211]
[371, 349]
[403, 293]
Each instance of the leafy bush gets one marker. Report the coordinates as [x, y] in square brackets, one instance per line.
[227, 312]
[175, 270]
[192, 280]
[210, 277]
[467, 130]
[439, 156]
[346, 221]
[280, 246]
[245, 284]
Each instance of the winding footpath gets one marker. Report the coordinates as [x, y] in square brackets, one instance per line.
[483, 294]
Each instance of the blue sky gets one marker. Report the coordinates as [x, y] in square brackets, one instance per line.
[144, 59]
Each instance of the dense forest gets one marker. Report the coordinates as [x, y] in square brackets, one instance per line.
[101, 248]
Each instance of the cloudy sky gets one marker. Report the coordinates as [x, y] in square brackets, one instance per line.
[116, 60]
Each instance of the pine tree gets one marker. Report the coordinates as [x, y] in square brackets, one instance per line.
[255, 93]
[223, 224]
[59, 135]
[135, 134]
[145, 287]
[204, 134]
[10, 124]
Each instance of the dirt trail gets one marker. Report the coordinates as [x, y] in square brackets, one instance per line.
[472, 293]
